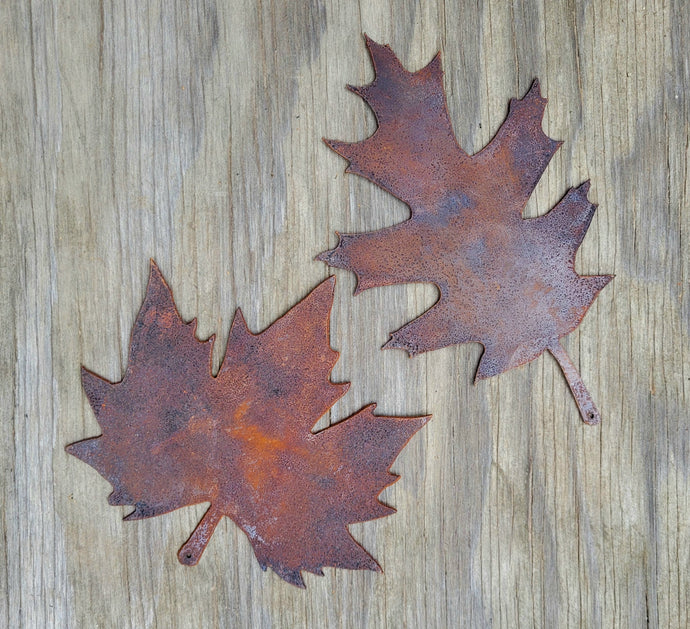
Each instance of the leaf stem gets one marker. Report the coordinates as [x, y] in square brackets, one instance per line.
[588, 410]
[194, 547]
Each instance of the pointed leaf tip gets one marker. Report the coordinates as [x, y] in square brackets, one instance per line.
[359, 90]
[239, 324]
[154, 270]
[339, 147]
[95, 388]
[382, 56]
[87, 450]
[324, 256]
[584, 188]
[597, 283]
[324, 291]
[369, 41]
[534, 91]
[423, 419]
[157, 286]
[374, 566]
[395, 342]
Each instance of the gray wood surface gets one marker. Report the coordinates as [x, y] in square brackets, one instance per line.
[190, 133]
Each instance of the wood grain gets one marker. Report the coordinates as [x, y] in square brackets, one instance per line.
[190, 133]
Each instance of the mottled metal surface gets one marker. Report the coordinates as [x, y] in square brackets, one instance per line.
[175, 435]
[506, 282]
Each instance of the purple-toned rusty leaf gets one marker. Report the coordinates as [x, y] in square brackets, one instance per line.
[506, 282]
[175, 435]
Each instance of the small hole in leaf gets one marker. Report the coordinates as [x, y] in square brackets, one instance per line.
[188, 555]
[591, 415]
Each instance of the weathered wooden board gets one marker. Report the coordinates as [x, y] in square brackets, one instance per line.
[190, 133]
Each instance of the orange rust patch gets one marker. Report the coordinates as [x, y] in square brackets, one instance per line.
[174, 435]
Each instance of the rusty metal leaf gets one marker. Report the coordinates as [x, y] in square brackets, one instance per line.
[506, 282]
[175, 435]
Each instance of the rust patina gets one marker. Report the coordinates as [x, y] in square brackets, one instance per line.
[506, 282]
[175, 435]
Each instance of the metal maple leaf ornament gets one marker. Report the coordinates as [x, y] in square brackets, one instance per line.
[175, 435]
[506, 282]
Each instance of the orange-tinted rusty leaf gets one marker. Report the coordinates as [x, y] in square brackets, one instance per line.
[506, 282]
[175, 435]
